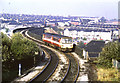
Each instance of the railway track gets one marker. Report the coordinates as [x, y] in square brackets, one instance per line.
[72, 71]
[42, 77]
[50, 68]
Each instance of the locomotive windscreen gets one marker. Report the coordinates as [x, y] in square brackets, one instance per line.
[67, 40]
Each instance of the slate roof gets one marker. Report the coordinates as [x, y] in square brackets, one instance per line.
[95, 46]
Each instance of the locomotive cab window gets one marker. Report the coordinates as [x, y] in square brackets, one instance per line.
[66, 40]
[48, 36]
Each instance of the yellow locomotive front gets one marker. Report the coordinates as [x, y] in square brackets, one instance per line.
[66, 43]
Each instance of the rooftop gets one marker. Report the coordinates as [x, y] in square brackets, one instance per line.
[95, 46]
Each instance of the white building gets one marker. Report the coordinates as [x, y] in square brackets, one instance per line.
[61, 24]
[89, 35]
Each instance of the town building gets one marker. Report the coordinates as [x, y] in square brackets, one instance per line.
[50, 24]
[88, 35]
[92, 49]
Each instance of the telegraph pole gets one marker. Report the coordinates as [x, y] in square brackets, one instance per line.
[119, 20]
[119, 32]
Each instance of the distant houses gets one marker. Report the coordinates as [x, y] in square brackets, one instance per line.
[88, 34]
[75, 23]
[50, 24]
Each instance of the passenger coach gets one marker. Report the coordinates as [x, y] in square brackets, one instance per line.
[58, 41]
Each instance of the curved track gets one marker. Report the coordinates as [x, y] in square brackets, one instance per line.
[73, 69]
[50, 68]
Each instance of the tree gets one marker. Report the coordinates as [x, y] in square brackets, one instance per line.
[22, 48]
[84, 38]
[109, 52]
[17, 47]
[15, 51]
[6, 43]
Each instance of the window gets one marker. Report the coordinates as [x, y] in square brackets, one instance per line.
[66, 40]
[48, 36]
[56, 39]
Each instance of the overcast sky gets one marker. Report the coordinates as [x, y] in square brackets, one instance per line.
[106, 8]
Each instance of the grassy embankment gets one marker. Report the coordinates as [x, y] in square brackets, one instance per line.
[107, 74]
[110, 74]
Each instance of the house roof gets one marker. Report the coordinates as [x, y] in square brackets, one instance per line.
[95, 46]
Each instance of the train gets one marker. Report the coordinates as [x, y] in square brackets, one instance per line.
[61, 42]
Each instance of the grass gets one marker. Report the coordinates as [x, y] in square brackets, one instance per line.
[107, 74]
[110, 74]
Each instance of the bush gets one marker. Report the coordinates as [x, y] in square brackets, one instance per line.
[109, 52]
[17, 47]
[6, 43]
[22, 48]
[14, 51]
